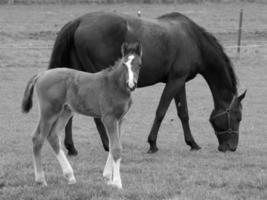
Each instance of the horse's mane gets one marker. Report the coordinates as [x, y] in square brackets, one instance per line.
[208, 45]
[172, 15]
[217, 47]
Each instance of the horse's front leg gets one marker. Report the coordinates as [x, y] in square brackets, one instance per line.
[172, 88]
[112, 168]
[182, 110]
[102, 132]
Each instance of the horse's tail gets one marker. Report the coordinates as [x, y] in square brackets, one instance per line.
[64, 42]
[27, 97]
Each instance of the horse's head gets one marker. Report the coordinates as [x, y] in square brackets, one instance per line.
[226, 124]
[132, 53]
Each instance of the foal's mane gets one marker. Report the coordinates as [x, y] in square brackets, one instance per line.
[131, 50]
[210, 49]
[117, 63]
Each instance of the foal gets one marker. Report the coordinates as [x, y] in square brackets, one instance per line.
[105, 95]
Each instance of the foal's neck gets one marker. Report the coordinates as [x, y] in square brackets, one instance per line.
[117, 78]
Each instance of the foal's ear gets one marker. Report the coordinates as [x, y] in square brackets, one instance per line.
[139, 49]
[242, 96]
[124, 48]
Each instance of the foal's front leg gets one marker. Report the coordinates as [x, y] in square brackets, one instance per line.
[112, 168]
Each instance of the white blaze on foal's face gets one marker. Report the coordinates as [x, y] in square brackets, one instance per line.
[128, 64]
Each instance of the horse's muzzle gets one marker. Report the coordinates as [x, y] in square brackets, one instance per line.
[227, 147]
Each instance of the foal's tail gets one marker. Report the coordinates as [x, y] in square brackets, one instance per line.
[27, 97]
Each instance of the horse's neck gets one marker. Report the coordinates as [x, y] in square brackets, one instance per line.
[222, 95]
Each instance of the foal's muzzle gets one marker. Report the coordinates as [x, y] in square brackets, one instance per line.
[132, 87]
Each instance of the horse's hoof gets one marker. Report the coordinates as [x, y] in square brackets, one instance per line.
[153, 150]
[106, 148]
[72, 152]
[195, 148]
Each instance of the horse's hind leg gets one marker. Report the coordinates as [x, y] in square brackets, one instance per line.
[68, 141]
[55, 143]
[181, 105]
[102, 132]
[40, 134]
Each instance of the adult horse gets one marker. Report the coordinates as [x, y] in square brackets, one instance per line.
[175, 50]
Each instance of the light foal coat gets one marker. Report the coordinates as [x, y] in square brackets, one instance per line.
[105, 95]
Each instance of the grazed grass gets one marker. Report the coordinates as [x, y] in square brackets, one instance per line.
[174, 172]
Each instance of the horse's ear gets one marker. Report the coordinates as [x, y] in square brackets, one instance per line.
[124, 48]
[139, 49]
[242, 96]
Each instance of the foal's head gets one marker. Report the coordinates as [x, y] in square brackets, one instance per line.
[131, 59]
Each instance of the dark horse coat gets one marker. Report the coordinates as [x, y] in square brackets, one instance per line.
[175, 50]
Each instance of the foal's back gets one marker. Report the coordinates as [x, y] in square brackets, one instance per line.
[78, 90]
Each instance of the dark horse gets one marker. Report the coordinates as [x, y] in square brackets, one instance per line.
[175, 50]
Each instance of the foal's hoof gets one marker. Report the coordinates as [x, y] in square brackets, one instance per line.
[116, 184]
[107, 176]
[71, 179]
[41, 182]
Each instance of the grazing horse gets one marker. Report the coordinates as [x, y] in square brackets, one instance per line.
[105, 95]
[175, 50]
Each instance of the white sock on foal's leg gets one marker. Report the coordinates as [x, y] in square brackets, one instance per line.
[107, 173]
[116, 174]
[66, 167]
[39, 174]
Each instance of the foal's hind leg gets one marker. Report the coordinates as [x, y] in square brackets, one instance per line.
[39, 136]
[181, 105]
[54, 141]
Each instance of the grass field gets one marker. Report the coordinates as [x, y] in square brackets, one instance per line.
[172, 173]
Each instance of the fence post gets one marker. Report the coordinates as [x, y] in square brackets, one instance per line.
[139, 13]
[240, 30]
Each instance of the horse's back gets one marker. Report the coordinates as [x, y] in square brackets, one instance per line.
[99, 37]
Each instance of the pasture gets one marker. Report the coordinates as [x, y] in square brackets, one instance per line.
[26, 35]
